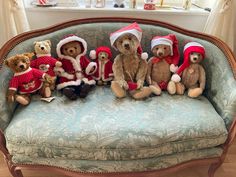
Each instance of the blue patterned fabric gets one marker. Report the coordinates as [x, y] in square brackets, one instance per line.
[107, 166]
[102, 127]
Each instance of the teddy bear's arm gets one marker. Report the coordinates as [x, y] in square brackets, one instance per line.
[118, 68]
[142, 72]
[149, 71]
[202, 78]
[11, 95]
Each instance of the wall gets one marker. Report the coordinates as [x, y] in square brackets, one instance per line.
[43, 17]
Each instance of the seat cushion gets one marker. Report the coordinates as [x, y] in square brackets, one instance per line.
[102, 127]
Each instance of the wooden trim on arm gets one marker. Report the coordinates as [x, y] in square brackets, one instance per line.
[27, 35]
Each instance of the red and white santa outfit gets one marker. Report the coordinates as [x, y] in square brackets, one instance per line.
[104, 70]
[74, 70]
[28, 81]
[131, 29]
[188, 49]
[170, 40]
[45, 63]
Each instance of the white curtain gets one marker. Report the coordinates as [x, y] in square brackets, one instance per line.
[222, 22]
[13, 19]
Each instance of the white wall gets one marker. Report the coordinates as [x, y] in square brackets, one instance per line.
[41, 17]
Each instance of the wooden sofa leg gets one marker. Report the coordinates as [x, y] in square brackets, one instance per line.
[213, 167]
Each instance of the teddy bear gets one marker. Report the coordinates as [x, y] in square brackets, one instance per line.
[130, 66]
[26, 80]
[193, 74]
[44, 61]
[75, 74]
[118, 3]
[163, 64]
[102, 57]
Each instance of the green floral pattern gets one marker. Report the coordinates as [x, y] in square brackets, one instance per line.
[95, 166]
[105, 128]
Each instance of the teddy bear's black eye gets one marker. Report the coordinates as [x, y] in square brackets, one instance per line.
[75, 48]
[129, 38]
[157, 48]
[15, 64]
[121, 42]
[66, 48]
[198, 54]
[164, 48]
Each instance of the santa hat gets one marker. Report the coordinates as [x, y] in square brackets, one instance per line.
[171, 41]
[132, 29]
[94, 54]
[188, 49]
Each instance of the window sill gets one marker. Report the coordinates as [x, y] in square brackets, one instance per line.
[110, 9]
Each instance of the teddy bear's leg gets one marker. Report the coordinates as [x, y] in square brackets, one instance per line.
[180, 88]
[142, 93]
[117, 90]
[23, 99]
[171, 88]
[53, 85]
[194, 92]
[155, 89]
[69, 92]
[84, 90]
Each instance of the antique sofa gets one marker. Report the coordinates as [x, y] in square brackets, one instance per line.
[104, 136]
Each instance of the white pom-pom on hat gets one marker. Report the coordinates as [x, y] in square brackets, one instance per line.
[92, 54]
[176, 78]
[144, 55]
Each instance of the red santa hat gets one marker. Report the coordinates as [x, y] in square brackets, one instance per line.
[132, 29]
[94, 54]
[171, 41]
[188, 49]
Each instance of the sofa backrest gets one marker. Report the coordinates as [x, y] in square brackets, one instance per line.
[220, 63]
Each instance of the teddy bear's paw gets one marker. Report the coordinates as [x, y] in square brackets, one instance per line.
[118, 90]
[143, 93]
[123, 84]
[173, 68]
[194, 93]
[58, 64]
[47, 92]
[139, 84]
[155, 89]
[176, 78]
[179, 88]
[22, 100]
[171, 88]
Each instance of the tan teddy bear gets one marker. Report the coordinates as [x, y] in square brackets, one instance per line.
[44, 61]
[163, 63]
[26, 80]
[129, 68]
[193, 74]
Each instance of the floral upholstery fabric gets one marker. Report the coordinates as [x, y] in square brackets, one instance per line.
[102, 127]
[96, 166]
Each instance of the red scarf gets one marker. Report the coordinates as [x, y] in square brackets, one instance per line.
[156, 60]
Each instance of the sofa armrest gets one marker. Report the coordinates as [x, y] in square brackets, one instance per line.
[6, 110]
[220, 66]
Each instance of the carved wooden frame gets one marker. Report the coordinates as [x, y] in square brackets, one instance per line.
[215, 163]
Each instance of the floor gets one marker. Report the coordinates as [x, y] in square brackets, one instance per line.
[228, 169]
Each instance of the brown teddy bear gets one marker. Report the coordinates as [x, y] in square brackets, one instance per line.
[193, 73]
[102, 57]
[44, 61]
[26, 80]
[129, 68]
[163, 64]
[75, 74]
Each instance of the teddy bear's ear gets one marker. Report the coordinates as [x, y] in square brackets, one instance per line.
[35, 42]
[29, 55]
[49, 42]
[6, 62]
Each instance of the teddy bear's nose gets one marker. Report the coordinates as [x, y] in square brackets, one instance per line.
[71, 51]
[160, 54]
[126, 45]
[42, 48]
[22, 66]
[195, 58]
